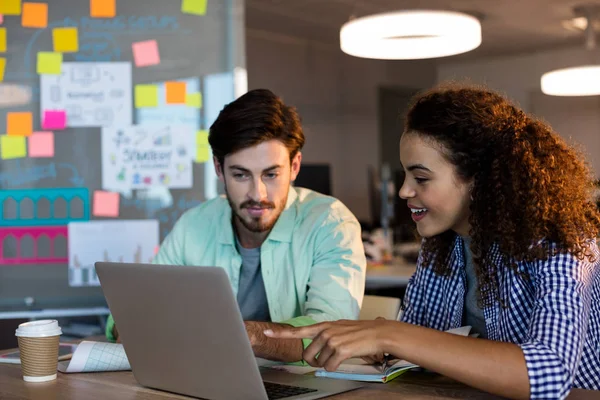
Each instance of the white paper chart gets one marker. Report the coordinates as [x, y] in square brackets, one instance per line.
[96, 357]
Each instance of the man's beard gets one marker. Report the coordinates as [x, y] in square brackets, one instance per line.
[255, 224]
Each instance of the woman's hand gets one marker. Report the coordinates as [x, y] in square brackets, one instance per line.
[334, 342]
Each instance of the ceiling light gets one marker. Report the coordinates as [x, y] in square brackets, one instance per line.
[410, 35]
[582, 80]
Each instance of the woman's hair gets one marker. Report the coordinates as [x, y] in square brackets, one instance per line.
[255, 117]
[531, 194]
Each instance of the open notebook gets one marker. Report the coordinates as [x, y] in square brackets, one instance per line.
[358, 370]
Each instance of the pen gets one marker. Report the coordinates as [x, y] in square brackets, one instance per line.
[384, 363]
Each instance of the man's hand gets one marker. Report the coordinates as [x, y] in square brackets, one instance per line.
[272, 349]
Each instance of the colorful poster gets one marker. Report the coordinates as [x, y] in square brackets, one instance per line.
[92, 94]
[129, 241]
[139, 157]
[33, 245]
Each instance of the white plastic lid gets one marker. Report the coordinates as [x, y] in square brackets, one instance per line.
[43, 328]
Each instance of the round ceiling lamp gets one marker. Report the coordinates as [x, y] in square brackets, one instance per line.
[582, 80]
[410, 35]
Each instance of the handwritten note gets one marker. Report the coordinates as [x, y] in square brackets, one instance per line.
[176, 92]
[66, 40]
[195, 7]
[146, 96]
[2, 68]
[146, 53]
[12, 147]
[49, 63]
[35, 15]
[54, 119]
[10, 7]
[194, 100]
[2, 40]
[19, 123]
[106, 204]
[103, 8]
[41, 144]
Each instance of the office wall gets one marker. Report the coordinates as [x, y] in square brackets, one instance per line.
[518, 76]
[337, 98]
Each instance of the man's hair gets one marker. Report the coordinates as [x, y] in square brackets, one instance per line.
[257, 116]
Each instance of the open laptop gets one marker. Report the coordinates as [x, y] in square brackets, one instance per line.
[183, 332]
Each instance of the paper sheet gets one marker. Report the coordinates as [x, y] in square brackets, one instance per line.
[96, 357]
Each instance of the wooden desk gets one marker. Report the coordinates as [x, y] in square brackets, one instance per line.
[122, 385]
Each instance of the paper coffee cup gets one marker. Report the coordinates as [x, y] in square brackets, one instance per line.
[38, 345]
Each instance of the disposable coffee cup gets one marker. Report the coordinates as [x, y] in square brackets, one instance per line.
[38, 346]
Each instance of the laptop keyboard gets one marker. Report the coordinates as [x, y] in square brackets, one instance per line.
[277, 391]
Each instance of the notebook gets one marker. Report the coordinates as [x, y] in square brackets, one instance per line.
[358, 370]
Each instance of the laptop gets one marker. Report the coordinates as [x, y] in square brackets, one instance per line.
[183, 332]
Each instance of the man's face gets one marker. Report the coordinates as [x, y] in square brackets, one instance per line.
[257, 180]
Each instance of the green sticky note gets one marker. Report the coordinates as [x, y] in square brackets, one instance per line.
[195, 7]
[146, 96]
[10, 7]
[49, 63]
[12, 147]
[202, 153]
[193, 100]
[201, 138]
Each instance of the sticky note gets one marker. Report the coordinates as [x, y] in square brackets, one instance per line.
[54, 119]
[106, 204]
[49, 63]
[19, 123]
[1, 19]
[196, 7]
[35, 15]
[145, 53]
[201, 138]
[202, 153]
[66, 40]
[146, 96]
[176, 92]
[2, 40]
[10, 7]
[103, 8]
[194, 100]
[12, 147]
[41, 144]
[2, 68]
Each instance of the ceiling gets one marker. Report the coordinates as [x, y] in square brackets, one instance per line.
[509, 26]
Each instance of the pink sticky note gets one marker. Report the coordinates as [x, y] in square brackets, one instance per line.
[54, 119]
[145, 53]
[41, 144]
[1, 19]
[106, 204]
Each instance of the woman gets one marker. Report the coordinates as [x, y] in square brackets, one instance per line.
[505, 210]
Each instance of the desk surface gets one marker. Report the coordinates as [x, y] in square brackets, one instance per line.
[122, 385]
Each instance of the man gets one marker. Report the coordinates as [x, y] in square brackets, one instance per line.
[293, 256]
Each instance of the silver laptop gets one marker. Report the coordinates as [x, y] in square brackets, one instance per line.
[183, 332]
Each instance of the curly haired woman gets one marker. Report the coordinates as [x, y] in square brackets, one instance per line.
[509, 225]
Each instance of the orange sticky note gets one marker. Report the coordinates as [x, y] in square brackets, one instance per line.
[103, 8]
[2, 68]
[19, 123]
[35, 15]
[2, 40]
[106, 204]
[41, 144]
[10, 7]
[145, 53]
[176, 92]
[66, 40]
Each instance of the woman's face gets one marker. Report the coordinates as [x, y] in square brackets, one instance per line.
[438, 198]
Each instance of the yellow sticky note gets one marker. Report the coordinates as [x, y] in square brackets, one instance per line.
[19, 123]
[2, 40]
[195, 7]
[194, 100]
[146, 96]
[202, 153]
[49, 63]
[35, 15]
[10, 7]
[2, 68]
[66, 40]
[103, 8]
[12, 147]
[201, 138]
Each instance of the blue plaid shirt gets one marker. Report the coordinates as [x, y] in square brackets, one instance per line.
[554, 316]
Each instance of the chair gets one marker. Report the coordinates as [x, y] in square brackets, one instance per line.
[379, 306]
